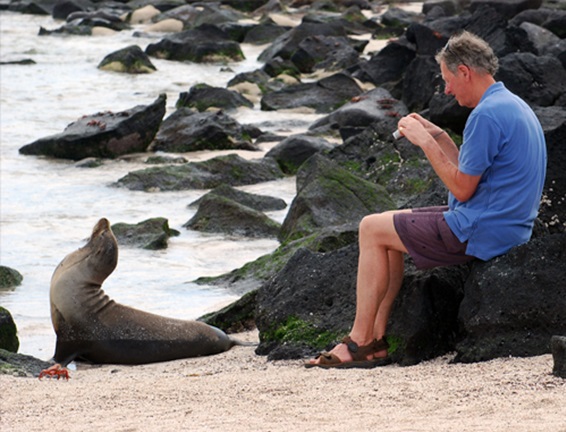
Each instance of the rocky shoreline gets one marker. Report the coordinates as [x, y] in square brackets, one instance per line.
[347, 165]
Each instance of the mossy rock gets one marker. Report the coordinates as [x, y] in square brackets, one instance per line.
[254, 201]
[130, 60]
[329, 195]
[150, 234]
[21, 365]
[9, 278]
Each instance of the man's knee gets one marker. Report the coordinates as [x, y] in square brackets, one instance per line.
[373, 222]
[379, 223]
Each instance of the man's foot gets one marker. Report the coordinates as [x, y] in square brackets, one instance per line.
[349, 354]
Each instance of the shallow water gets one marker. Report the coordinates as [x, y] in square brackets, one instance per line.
[48, 207]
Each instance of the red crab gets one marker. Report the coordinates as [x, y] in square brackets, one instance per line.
[55, 371]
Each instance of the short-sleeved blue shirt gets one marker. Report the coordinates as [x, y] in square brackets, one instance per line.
[504, 143]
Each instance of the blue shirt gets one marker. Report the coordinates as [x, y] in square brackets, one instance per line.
[504, 143]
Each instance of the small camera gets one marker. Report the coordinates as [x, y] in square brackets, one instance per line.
[397, 134]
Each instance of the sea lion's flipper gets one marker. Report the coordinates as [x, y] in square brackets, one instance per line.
[65, 353]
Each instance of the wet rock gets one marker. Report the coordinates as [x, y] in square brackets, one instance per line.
[128, 60]
[202, 97]
[8, 332]
[9, 277]
[103, 135]
[217, 214]
[206, 43]
[296, 149]
[186, 130]
[231, 169]
[257, 202]
[151, 234]
[288, 43]
[323, 96]
[329, 53]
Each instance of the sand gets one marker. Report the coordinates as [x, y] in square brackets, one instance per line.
[240, 391]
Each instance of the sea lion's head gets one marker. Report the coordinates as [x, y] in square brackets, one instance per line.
[102, 252]
[92, 263]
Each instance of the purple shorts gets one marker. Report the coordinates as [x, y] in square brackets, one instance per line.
[428, 238]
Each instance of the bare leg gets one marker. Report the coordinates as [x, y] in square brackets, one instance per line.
[380, 273]
[396, 269]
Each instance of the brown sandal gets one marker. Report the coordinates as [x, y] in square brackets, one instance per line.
[359, 356]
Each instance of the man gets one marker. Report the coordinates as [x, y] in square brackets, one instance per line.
[495, 182]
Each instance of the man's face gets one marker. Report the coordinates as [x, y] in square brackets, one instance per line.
[455, 84]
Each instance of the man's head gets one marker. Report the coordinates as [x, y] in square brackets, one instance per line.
[468, 65]
[469, 50]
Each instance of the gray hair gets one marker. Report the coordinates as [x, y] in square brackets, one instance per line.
[470, 50]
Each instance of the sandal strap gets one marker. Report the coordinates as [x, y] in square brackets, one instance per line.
[357, 352]
[360, 353]
[380, 345]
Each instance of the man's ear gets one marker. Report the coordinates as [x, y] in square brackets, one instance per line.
[465, 71]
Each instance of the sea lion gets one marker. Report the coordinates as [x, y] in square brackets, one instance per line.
[92, 327]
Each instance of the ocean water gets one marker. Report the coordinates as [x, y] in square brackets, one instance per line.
[48, 207]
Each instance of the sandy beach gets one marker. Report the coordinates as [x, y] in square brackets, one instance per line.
[240, 391]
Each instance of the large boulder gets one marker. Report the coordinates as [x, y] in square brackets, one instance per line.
[218, 214]
[322, 96]
[207, 43]
[103, 135]
[515, 303]
[328, 195]
[310, 305]
[187, 130]
[230, 169]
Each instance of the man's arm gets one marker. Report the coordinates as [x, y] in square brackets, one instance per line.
[442, 154]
